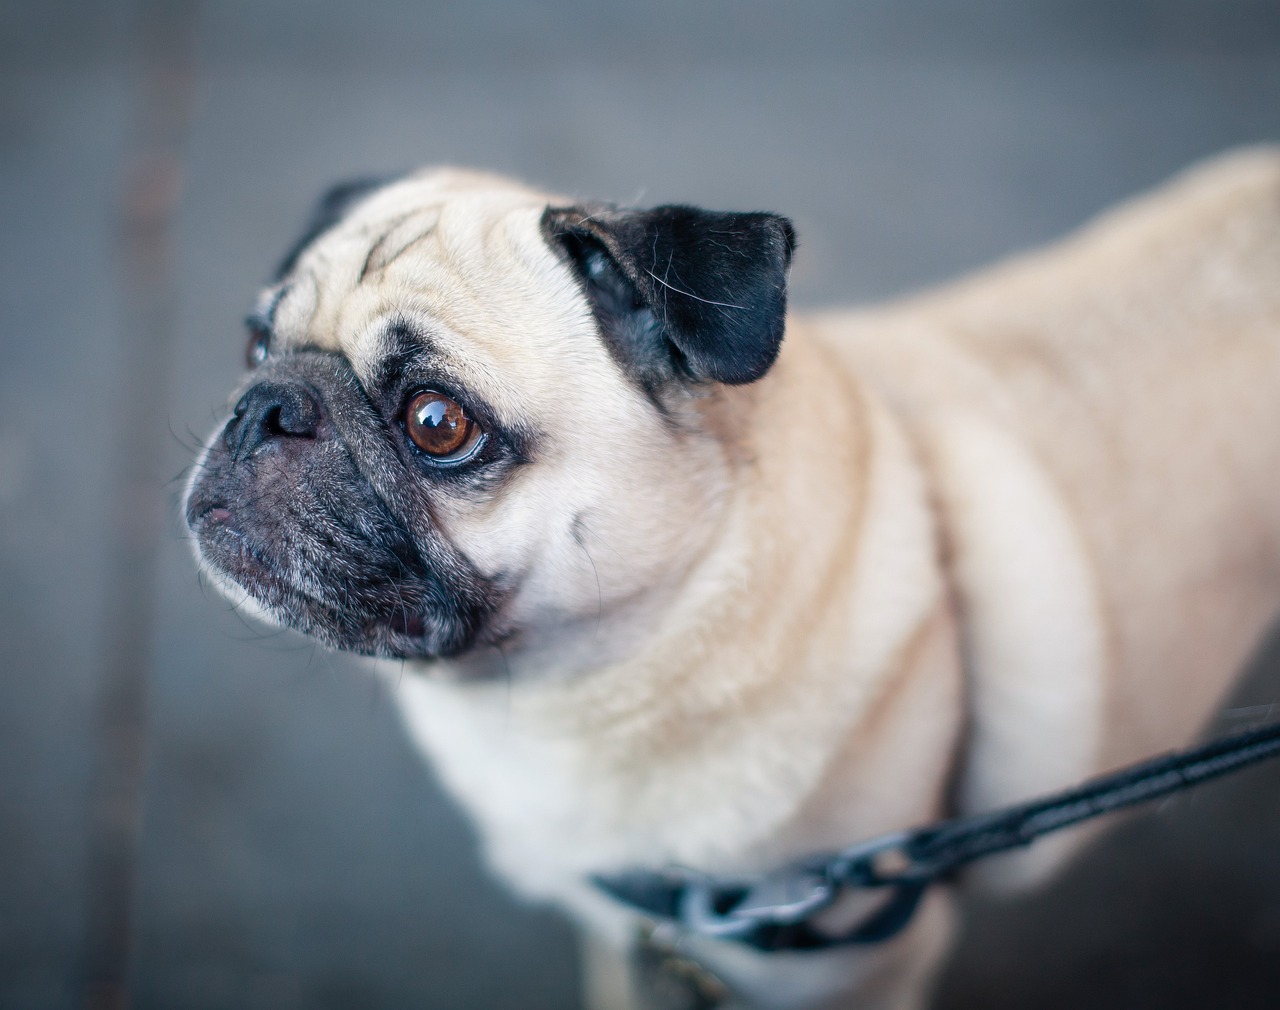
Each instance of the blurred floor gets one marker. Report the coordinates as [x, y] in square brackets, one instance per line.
[293, 851]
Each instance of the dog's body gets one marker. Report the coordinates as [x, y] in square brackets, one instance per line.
[943, 555]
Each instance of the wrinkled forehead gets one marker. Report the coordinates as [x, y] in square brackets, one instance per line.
[448, 265]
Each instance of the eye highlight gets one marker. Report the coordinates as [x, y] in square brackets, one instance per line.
[259, 345]
[439, 426]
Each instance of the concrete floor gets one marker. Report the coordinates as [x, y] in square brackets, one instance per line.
[288, 849]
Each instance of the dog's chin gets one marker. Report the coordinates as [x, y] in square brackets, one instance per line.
[376, 621]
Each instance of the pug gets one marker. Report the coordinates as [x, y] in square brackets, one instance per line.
[677, 578]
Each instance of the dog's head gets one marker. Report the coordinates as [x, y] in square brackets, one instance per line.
[477, 416]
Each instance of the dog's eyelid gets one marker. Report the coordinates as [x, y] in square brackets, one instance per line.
[257, 322]
[268, 303]
[263, 317]
[278, 296]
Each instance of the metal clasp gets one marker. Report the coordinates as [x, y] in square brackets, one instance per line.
[776, 900]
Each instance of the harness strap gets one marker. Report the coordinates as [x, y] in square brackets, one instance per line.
[775, 911]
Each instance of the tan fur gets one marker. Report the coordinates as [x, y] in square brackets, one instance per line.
[1029, 523]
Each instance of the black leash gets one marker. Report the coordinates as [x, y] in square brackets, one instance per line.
[774, 912]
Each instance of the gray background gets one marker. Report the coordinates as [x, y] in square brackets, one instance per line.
[197, 813]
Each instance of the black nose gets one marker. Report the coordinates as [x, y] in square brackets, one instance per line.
[271, 411]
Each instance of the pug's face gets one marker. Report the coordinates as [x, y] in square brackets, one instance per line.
[479, 418]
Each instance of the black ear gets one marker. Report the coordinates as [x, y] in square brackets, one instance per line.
[328, 211]
[678, 291]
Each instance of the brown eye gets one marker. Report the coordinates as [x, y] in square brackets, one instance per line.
[438, 425]
[255, 352]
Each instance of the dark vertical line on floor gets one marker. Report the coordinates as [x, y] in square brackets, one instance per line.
[162, 43]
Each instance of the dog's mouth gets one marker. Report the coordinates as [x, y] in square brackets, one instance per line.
[331, 599]
[216, 514]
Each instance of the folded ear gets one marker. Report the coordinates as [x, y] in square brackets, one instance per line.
[679, 291]
[331, 208]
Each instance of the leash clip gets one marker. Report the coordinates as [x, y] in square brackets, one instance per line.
[733, 912]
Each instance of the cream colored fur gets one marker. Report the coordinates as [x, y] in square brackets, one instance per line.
[1026, 527]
